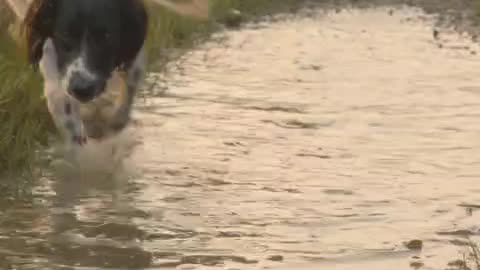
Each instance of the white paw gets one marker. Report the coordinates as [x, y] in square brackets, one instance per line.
[75, 133]
[79, 140]
[73, 124]
[65, 113]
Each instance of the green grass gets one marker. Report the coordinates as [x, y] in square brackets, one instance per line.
[24, 121]
[25, 125]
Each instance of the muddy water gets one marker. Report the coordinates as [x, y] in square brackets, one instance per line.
[314, 142]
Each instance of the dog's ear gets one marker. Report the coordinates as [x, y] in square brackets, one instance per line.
[38, 26]
[134, 29]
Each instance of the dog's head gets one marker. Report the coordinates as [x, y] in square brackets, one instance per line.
[92, 38]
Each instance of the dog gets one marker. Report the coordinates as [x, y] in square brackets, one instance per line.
[91, 56]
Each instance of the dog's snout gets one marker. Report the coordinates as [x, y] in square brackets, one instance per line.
[82, 88]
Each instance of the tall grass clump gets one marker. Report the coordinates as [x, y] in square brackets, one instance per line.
[24, 122]
[473, 260]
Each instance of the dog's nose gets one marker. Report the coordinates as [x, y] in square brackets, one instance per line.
[83, 89]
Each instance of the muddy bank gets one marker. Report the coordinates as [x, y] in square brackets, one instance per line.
[461, 15]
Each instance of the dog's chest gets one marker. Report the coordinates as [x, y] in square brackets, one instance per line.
[103, 110]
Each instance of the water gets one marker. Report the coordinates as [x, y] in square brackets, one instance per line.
[319, 141]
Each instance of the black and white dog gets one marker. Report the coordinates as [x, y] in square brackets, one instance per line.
[91, 56]
[82, 46]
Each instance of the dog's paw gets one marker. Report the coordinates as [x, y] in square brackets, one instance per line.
[73, 128]
[79, 140]
[78, 135]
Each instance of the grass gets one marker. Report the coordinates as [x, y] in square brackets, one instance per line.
[25, 124]
[167, 30]
[470, 260]
[475, 256]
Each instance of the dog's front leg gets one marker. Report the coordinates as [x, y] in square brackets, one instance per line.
[64, 110]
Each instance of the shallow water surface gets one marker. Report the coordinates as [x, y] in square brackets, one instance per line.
[328, 140]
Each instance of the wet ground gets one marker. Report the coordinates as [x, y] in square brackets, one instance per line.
[334, 139]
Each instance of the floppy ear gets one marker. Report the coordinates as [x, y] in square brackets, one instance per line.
[134, 28]
[38, 26]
